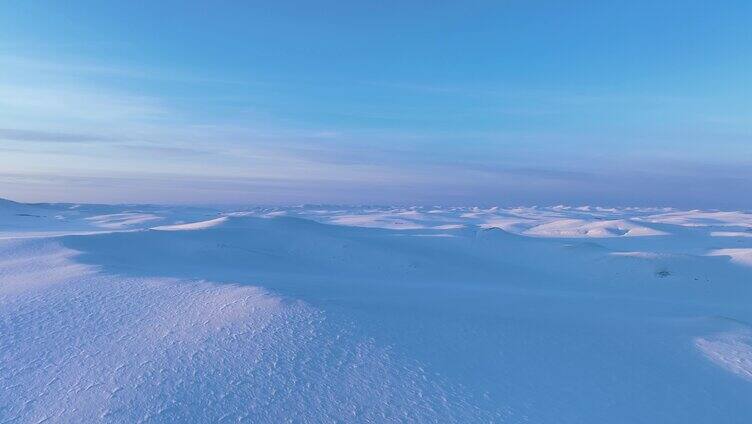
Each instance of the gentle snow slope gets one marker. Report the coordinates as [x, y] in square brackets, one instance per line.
[250, 315]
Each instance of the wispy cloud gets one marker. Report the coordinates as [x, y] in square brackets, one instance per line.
[169, 151]
[77, 67]
[10, 134]
[144, 142]
[88, 104]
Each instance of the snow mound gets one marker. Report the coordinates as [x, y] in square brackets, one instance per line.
[697, 218]
[387, 221]
[90, 347]
[582, 228]
[122, 220]
[742, 256]
[201, 225]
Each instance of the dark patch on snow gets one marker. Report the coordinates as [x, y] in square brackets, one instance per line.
[29, 215]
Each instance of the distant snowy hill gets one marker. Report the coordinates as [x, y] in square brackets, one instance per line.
[44, 219]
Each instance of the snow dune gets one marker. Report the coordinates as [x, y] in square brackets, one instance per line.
[696, 218]
[557, 221]
[122, 220]
[584, 228]
[200, 225]
[90, 347]
[365, 314]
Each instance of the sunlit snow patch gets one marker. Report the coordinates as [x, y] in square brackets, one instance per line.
[122, 220]
[201, 225]
[732, 351]
[731, 233]
[741, 256]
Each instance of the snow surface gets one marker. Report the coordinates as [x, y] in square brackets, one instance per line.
[140, 313]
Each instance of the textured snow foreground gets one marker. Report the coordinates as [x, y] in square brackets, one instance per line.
[323, 314]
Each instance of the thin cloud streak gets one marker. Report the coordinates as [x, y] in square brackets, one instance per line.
[11, 134]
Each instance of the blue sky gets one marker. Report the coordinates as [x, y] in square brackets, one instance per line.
[505, 102]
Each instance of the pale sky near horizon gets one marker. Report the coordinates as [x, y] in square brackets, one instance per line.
[506, 102]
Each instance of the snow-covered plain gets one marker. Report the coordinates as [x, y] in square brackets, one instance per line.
[138, 313]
